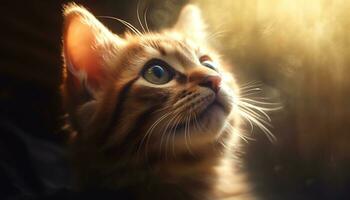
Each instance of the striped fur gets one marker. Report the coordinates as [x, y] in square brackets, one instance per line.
[157, 141]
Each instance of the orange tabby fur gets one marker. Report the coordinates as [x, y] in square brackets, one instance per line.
[112, 110]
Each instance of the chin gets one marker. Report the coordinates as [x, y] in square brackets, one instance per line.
[202, 127]
[213, 119]
[205, 130]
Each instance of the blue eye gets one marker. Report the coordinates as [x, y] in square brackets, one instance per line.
[209, 64]
[156, 72]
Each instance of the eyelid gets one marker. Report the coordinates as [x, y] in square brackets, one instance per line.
[205, 58]
[208, 62]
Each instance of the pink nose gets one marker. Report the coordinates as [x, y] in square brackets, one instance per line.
[212, 82]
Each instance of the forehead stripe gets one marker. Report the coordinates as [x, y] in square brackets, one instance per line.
[178, 49]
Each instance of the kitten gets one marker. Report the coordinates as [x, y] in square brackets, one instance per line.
[156, 114]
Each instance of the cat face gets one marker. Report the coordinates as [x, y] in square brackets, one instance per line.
[155, 91]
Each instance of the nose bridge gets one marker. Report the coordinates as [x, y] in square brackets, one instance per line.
[205, 77]
[198, 74]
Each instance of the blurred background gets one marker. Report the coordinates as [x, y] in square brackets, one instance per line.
[298, 50]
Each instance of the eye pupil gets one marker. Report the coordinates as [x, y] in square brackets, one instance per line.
[157, 71]
[209, 64]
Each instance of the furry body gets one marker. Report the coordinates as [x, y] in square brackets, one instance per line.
[172, 139]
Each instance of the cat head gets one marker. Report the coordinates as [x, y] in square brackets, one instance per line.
[154, 91]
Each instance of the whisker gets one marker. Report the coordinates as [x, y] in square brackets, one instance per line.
[232, 129]
[167, 134]
[254, 110]
[149, 132]
[251, 83]
[186, 132]
[261, 126]
[252, 94]
[254, 113]
[216, 35]
[145, 19]
[177, 121]
[260, 102]
[198, 126]
[138, 15]
[190, 122]
[219, 31]
[127, 24]
[163, 135]
[250, 89]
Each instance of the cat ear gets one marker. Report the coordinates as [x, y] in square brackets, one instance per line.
[190, 23]
[87, 46]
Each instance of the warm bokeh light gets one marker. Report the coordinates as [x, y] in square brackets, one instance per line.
[300, 50]
[285, 28]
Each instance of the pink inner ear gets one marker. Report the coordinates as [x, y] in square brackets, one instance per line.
[79, 42]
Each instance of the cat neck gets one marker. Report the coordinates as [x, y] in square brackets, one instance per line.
[184, 176]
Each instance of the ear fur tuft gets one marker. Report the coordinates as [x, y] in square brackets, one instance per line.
[190, 23]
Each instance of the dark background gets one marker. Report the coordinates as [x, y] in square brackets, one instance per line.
[30, 68]
[32, 157]
[310, 160]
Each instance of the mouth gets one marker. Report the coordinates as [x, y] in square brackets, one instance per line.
[214, 105]
[212, 112]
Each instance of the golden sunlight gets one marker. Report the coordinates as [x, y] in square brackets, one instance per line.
[281, 27]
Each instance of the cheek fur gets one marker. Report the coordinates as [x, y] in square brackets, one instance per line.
[191, 112]
[137, 112]
[150, 95]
